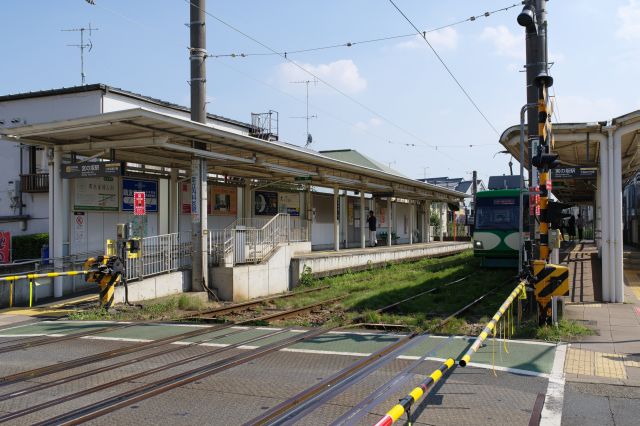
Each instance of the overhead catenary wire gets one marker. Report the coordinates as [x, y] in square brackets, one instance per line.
[367, 41]
[323, 81]
[434, 147]
[446, 67]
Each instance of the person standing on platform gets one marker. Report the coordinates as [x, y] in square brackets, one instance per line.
[373, 222]
[580, 225]
[571, 224]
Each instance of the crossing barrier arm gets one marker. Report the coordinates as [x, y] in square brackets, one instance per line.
[520, 288]
[404, 406]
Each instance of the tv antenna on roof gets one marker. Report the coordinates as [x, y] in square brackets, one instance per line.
[307, 117]
[82, 46]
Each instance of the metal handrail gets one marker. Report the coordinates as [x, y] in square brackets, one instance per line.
[250, 240]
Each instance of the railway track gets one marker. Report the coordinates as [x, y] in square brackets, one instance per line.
[304, 403]
[212, 313]
[43, 371]
[299, 406]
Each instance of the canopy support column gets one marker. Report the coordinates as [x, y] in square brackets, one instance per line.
[363, 227]
[336, 219]
[390, 219]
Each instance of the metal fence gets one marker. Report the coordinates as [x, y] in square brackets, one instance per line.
[160, 254]
[250, 240]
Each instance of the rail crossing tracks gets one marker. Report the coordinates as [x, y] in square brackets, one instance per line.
[288, 412]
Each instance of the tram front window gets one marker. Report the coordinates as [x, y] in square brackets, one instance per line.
[497, 215]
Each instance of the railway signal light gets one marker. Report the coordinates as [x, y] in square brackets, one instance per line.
[550, 161]
[553, 214]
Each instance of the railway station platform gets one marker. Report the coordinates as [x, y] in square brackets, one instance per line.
[612, 354]
[327, 263]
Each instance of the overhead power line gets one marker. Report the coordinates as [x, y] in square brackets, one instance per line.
[320, 79]
[355, 43]
[424, 37]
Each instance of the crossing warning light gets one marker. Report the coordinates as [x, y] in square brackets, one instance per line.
[541, 160]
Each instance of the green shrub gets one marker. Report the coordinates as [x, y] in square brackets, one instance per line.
[306, 277]
[28, 246]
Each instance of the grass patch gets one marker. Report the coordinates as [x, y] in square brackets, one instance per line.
[168, 308]
[190, 303]
[565, 331]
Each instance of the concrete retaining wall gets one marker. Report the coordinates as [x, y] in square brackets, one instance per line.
[271, 276]
[153, 287]
[335, 263]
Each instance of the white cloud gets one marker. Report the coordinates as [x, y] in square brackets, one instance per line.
[629, 14]
[444, 39]
[580, 109]
[369, 124]
[504, 41]
[343, 74]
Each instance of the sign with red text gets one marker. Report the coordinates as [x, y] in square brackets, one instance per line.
[139, 204]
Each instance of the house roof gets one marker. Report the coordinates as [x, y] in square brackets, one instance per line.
[354, 157]
[110, 89]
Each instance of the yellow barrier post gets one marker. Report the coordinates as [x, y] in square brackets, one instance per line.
[492, 324]
[405, 403]
[11, 294]
[30, 292]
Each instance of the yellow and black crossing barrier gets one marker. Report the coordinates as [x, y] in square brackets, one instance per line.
[550, 281]
[404, 406]
[491, 325]
[106, 271]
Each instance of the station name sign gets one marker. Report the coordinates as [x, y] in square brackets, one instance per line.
[92, 169]
[574, 173]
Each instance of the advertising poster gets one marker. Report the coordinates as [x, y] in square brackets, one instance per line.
[5, 247]
[289, 202]
[185, 197]
[150, 189]
[100, 193]
[223, 201]
[266, 203]
[381, 217]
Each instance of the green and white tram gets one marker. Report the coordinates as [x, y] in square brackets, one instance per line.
[496, 234]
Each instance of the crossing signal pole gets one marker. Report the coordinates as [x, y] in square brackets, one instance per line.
[548, 281]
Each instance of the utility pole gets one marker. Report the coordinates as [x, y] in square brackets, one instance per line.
[197, 56]
[307, 117]
[82, 46]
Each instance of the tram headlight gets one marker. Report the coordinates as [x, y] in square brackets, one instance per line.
[478, 244]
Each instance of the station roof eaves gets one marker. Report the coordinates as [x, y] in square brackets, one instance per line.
[142, 123]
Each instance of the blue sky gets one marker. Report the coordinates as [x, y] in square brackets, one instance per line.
[141, 46]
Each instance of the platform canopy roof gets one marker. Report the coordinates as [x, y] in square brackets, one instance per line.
[578, 145]
[146, 137]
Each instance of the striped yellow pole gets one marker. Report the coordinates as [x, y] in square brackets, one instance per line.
[11, 294]
[492, 324]
[30, 292]
[544, 173]
[45, 275]
[418, 392]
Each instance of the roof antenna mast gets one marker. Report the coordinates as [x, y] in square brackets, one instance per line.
[307, 117]
[82, 46]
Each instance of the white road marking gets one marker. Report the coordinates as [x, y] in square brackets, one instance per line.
[319, 352]
[484, 366]
[554, 400]
[33, 335]
[117, 339]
